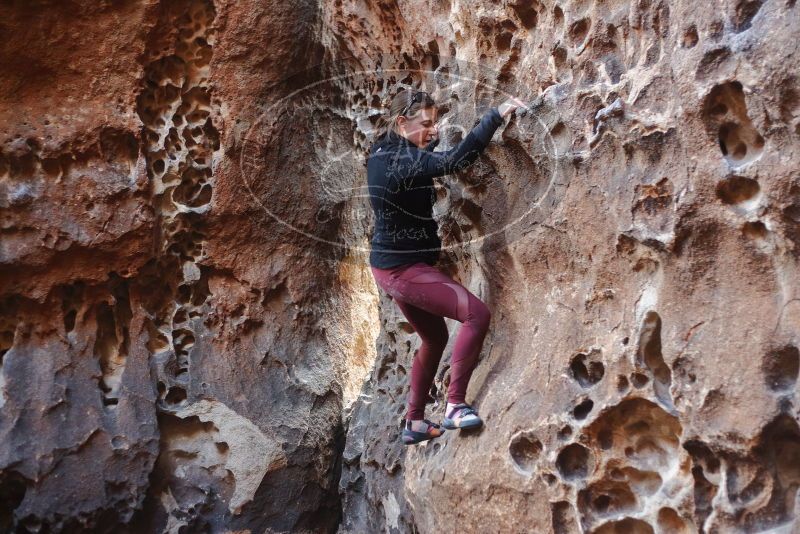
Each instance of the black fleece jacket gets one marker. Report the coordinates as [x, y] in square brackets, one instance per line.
[400, 180]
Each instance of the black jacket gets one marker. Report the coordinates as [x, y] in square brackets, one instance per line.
[400, 180]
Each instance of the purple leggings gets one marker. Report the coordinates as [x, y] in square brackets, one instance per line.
[425, 295]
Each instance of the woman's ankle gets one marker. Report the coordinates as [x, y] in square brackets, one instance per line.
[417, 425]
[450, 406]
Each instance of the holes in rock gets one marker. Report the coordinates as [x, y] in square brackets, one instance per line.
[526, 12]
[565, 432]
[792, 212]
[704, 491]
[780, 367]
[578, 30]
[563, 518]
[639, 442]
[574, 462]
[112, 341]
[7, 331]
[745, 12]
[503, 41]
[712, 61]
[585, 369]
[628, 525]
[639, 380]
[175, 395]
[582, 410]
[605, 438]
[558, 16]
[737, 190]
[755, 230]
[690, 37]
[725, 112]
[559, 56]
[607, 498]
[524, 449]
[12, 492]
[649, 354]
[735, 144]
[622, 383]
[405, 326]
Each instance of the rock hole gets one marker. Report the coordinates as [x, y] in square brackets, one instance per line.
[565, 433]
[737, 190]
[524, 449]
[780, 367]
[649, 354]
[176, 395]
[628, 525]
[586, 373]
[755, 230]
[639, 380]
[578, 30]
[559, 56]
[605, 438]
[582, 410]
[607, 498]
[792, 212]
[690, 37]
[622, 383]
[13, 487]
[725, 111]
[745, 12]
[503, 41]
[563, 518]
[574, 462]
[526, 12]
[558, 16]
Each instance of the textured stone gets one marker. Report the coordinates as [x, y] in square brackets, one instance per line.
[640, 374]
[174, 356]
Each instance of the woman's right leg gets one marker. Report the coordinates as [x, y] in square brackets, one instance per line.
[424, 286]
[432, 330]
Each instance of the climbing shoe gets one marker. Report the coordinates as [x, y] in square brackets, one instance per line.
[462, 416]
[410, 437]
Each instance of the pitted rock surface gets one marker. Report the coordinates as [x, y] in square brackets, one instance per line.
[175, 358]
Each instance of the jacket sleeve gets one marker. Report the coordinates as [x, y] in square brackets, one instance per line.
[423, 164]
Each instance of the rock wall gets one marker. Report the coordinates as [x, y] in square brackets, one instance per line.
[170, 361]
[640, 374]
[186, 316]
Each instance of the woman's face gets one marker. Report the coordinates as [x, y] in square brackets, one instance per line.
[420, 129]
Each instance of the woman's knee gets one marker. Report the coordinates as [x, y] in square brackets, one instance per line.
[479, 315]
[436, 338]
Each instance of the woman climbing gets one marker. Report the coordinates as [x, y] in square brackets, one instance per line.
[405, 248]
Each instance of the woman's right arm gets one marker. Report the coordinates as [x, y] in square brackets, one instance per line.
[430, 164]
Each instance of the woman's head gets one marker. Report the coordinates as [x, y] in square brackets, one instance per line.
[412, 114]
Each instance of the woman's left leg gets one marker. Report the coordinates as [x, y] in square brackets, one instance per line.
[432, 331]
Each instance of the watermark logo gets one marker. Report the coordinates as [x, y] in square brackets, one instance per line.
[304, 162]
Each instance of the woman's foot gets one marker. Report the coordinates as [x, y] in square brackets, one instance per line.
[461, 416]
[420, 430]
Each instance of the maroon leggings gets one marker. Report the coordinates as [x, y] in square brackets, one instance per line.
[425, 295]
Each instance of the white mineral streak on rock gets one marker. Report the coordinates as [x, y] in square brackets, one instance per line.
[251, 452]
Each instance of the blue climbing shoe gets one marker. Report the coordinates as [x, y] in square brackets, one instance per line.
[462, 416]
[411, 437]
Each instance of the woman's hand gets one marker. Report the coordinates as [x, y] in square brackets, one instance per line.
[509, 106]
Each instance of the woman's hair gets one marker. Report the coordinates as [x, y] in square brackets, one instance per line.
[400, 106]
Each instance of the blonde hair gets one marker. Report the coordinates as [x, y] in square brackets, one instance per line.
[399, 103]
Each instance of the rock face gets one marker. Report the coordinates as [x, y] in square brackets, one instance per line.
[187, 317]
[170, 361]
[640, 374]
